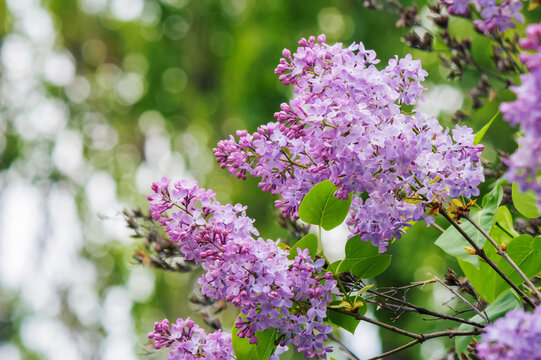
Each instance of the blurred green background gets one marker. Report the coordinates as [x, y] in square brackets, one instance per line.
[101, 97]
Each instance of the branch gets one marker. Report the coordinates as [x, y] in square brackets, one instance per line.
[344, 347]
[504, 254]
[394, 351]
[380, 324]
[481, 253]
[463, 299]
[418, 338]
[422, 310]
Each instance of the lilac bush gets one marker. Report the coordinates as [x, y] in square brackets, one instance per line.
[525, 163]
[352, 129]
[348, 123]
[495, 15]
[254, 275]
[189, 342]
[515, 336]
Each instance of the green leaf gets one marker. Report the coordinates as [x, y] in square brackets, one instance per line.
[371, 267]
[494, 197]
[261, 351]
[481, 133]
[356, 250]
[321, 207]
[453, 243]
[525, 202]
[346, 321]
[505, 220]
[523, 250]
[484, 279]
[507, 302]
[307, 242]
[365, 289]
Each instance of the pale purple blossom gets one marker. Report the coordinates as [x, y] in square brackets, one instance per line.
[515, 336]
[525, 163]
[187, 341]
[496, 15]
[254, 275]
[345, 123]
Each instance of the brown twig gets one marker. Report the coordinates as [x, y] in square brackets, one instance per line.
[504, 254]
[481, 253]
[418, 338]
[394, 351]
[424, 311]
[344, 347]
[463, 299]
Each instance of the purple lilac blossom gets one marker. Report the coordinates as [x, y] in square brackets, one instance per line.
[189, 342]
[252, 274]
[496, 15]
[515, 336]
[345, 124]
[525, 163]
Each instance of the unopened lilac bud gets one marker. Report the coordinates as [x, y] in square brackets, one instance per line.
[286, 53]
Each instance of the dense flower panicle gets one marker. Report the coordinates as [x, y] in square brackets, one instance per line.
[189, 342]
[515, 336]
[525, 163]
[345, 124]
[496, 15]
[252, 274]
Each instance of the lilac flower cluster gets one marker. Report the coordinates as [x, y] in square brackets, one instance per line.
[252, 274]
[525, 163]
[515, 336]
[189, 342]
[496, 15]
[346, 124]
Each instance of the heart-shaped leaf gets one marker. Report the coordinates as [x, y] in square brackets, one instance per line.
[321, 207]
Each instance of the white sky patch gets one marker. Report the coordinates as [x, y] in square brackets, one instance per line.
[334, 241]
[68, 152]
[441, 98]
[93, 6]
[17, 56]
[365, 342]
[50, 338]
[59, 69]
[117, 321]
[126, 10]
[21, 223]
[141, 283]
[101, 192]
[37, 25]
[48, 116]
[78, 90]
[9, 351]
[130, 88]
[84, 302]
[433, 349]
